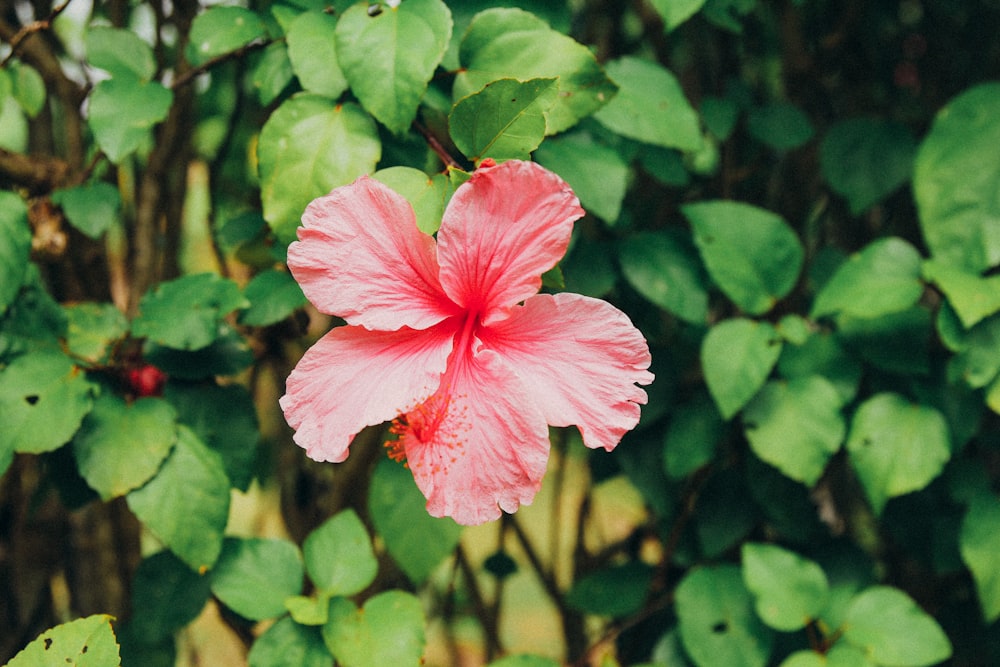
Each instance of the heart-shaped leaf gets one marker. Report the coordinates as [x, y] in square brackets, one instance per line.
[387, 630]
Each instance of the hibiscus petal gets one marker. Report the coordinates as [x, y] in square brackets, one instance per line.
[502, 229]
[361, 257]
[478, 446]
[580, 359]
[353, 377]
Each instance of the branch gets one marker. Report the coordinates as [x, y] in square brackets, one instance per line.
[437, 146]
[36, 173]
[186, 77]
[30, 29]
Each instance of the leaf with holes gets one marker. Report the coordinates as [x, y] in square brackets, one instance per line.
[85, 642]
[43, 399]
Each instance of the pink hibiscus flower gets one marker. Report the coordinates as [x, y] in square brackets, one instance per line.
[451, 340]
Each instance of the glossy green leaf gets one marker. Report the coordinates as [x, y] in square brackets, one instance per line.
[273, 296]
[896, 446]
[790, 591]
[289, 644]
[122, 111]
[979, 543]
[312, 51]
[650, 106]
[614, 591]
[186, 313]
[504, 120]
[866, 159]
[389, 58]
[387, 630]
[690, 439]
[889, 626]
[676, 12]
[186, 504]
[780, 125]
[597, 174]
[91, 208]
[737, 355]
[955, 177]
[219, 30]
[417, 541]
[717, 622]
[505, 43]
[120, 52]
[166, 596]
[228, 355]
[85, 642]
[43, 399]
[882, 278]
[27, 87]
[664, 268]
[15, 247]
[751, 254]
[309, 146]
[427, 194]
[254, 576]
[796, 426]
[272, 73]
[971, 296]
[120, 446]
[339, 555]
[224, 418]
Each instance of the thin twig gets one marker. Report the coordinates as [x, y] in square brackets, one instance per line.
[30, 29]
[437, 146]
[484, 612]
[186, 77]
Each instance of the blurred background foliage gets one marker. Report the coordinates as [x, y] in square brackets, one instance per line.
[795, 200]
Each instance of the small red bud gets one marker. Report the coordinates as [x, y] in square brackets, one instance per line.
[146, 380]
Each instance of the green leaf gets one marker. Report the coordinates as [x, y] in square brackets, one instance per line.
[339, 555]
[27, 86]
[85, 642]
[417, 541]
[273, 296]
[524, 660]
[597, 174]
[822, 354]
[43, 399]
[503, 43]
[220, 30]
[186, 313]
[737, 355]
[120, 446]
[884, 277]
[780, 125]
[122, 111]
[309, 610]
[312, 50]
[288, 644]
[387, 630]
[272, 73]
[752, 254]
[650, 106]
[664, 268]
[426, 194]
[307, 147]
[841, 655]
[896, 446]
[866, 159]
[895, 342]
[166, 596]
[614, 591]
[15, 247]
[388, 59]
[977, 361]
[979, 542]
[689, 442]
[228, 355]
[955, 180]
[676, 12]
[224, 418]
[719, 115]
[120, 52]
[716, 619]
[972, 297]
[254, 576]
[91, 208]
[589, 269]
[892, 630]
[790, 590]
[796, 426]
[186, 504]
[504, 120]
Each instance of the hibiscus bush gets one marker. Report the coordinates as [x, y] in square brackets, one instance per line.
[522, 334]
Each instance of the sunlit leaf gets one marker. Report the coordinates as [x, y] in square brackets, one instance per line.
[85, 642]
[313, 53]
[122, 111]
[219, 30]
[339, 556]
[426, 194]
[790, 591]
[119, 51]
[971, 296]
